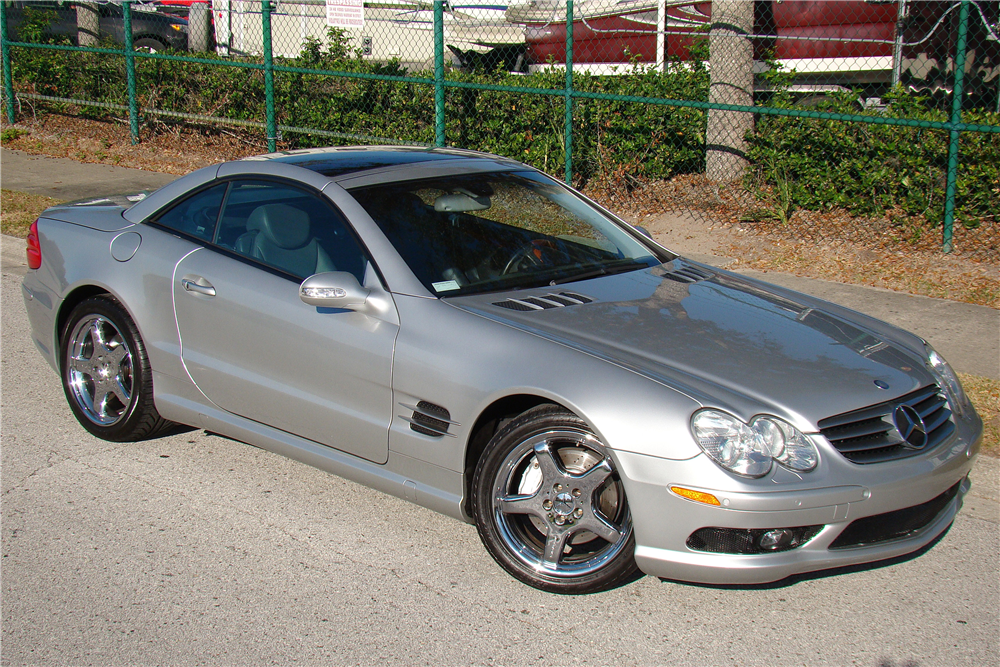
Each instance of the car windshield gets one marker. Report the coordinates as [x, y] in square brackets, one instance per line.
[475, 233]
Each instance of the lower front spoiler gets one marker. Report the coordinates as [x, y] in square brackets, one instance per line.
[710, 568]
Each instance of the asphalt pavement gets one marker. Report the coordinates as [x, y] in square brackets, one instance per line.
[196, 549]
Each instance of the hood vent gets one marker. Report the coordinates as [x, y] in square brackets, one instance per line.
[689, 274]
[545, 301]
[429, 419]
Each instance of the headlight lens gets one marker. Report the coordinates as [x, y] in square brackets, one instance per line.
[787, 444]
[749, 449]
[946, 377]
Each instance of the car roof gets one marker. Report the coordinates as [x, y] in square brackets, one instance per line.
[349, 167]
[334, 162]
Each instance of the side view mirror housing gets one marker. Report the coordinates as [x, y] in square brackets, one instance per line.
[334, 289]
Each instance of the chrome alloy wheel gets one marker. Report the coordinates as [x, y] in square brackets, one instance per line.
[558, 506]
[99, 370]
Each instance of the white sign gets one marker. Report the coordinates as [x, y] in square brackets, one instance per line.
[345, 13]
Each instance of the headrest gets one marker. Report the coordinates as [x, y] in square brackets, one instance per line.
[285, 226]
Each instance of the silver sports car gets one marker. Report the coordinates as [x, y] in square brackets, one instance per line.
[460, 330]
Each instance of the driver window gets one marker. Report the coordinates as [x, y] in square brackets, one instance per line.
[197, 215]
[288, 229]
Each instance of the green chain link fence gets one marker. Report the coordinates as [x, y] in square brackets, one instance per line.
[868, 105]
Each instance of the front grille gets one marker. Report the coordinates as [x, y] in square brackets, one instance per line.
[870, 435]
[893, 525]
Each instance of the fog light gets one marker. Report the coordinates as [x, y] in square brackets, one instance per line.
[773, 540]
[753, 541]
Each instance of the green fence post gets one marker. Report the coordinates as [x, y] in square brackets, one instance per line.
[569, 93]
[438, 73]
[8, 74]
[956, 117]
[272, 129]
[133, 104]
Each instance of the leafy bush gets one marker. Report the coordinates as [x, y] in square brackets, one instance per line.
[871, 169]
[867, 169]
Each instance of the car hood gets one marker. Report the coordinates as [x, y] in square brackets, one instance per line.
[726, 340]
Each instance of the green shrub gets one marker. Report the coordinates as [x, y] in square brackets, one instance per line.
[866, 169]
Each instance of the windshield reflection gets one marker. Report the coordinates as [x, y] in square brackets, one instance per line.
[476, 233]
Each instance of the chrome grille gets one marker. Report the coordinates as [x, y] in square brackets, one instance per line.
[870, 435]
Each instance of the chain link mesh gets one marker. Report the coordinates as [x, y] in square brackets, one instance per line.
[625, 93]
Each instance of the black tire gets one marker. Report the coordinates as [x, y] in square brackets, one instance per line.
[106, 374]
[549, 506]
[149, 44]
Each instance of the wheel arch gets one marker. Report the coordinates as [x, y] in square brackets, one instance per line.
[490, 420]
[74, 298]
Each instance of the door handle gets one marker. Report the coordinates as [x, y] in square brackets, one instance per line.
[192, 286]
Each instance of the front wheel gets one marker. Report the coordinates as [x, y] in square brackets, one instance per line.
[106, 374]
[550, 507]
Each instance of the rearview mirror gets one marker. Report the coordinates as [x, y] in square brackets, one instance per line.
[460, 203]
[333, 289]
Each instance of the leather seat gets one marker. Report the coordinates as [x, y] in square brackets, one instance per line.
[280, 236]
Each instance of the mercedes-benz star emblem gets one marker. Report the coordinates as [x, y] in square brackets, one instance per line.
[910, 426]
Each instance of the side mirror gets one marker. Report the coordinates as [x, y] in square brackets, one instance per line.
[643, 231]
[333, 289]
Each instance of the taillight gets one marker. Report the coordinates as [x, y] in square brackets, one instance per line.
[34, 247]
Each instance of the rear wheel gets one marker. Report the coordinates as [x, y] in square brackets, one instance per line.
[106, 374]
[550, 507]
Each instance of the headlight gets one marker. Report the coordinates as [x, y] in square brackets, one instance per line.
[947, 379]
[749, 449]
[787, 444]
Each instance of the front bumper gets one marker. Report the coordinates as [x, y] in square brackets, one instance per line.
[664, 521]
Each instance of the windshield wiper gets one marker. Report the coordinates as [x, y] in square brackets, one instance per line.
[601, 271]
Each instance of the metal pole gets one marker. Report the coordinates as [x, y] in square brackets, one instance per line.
[661, 35]
[956, 117]
[438, 73]
[897, 47]
[133, 103]
[272, 130]
[569, 92]
[8, 74]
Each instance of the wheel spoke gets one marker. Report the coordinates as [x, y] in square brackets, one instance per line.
[521, 505]
[116, 355]
[592, 479]
[547, 465]
[555, 544]
[118, 389]
[96, 335]
[100, 399]
[600, 527]
[82, 366]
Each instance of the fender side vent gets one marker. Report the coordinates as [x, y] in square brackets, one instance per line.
[429, 419]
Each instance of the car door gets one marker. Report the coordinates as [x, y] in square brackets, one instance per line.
[254, 348]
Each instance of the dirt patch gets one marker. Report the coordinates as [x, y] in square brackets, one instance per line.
[686, 213]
